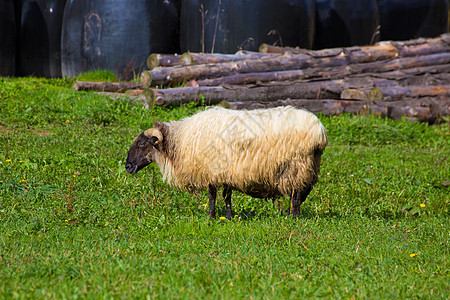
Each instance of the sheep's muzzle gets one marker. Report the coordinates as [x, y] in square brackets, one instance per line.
[139, 155]
[132, 169]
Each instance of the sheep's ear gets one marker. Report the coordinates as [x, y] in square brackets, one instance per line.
[154, 135]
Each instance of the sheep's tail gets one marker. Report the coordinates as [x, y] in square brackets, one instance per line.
[322, 139]
[317, 139]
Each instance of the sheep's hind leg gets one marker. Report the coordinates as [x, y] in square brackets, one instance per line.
[297, 199]
[212, 201]
[227, 195]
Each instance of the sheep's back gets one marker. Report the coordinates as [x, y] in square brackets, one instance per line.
[270, 147]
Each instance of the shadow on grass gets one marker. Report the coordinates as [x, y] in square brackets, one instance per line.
[307, 214]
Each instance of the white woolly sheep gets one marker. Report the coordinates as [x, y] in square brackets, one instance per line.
[265, 153]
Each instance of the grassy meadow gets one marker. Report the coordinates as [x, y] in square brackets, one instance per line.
[74, 224]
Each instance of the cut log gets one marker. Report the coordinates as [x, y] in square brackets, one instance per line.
[428, 109]
[190, 58]
[432, 46]
[358, 55]
[401, 63]
[106, 86]
[437, 71]
[415, 47]
[399, 92]
[270, 92]
[163, 60]
[240, 79]
[391, 93]
[266, 48]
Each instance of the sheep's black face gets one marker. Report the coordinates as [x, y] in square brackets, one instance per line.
[140, 154]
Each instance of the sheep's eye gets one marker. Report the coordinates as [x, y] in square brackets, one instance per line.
[141, 145]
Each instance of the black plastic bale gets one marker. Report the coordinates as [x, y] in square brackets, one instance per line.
[8, 42]
[39, 37]
[226, 26]
[117, 35]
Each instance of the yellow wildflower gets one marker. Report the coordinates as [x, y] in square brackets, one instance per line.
[222, 218]
[413, 254]
[422, 205]
[67, 121]
[8, 160]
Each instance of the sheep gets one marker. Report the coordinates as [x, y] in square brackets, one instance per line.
[264, 153]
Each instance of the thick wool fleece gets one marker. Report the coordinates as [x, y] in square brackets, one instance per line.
[266, 152]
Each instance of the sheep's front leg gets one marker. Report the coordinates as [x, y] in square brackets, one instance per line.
[212, 201]
[227, 195]
[297, 199]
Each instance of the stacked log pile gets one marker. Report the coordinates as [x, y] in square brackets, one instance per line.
[391, 79]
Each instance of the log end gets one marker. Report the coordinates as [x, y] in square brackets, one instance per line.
[446, 38]
[152, 61]
[224, 104]
[186, 59]
[375, 94]
[146, 79]
[149, 98]
[76, 86]
[264, 48]
[354, 94]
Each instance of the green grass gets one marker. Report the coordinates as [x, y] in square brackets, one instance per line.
[74, 224]
[98, 75]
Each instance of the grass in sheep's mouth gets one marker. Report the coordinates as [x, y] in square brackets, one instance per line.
[73, 223]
